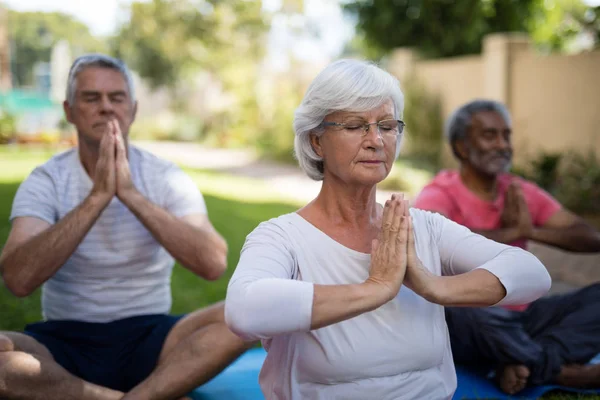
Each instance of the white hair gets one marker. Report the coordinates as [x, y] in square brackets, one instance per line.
[97, 60]
[344, 85]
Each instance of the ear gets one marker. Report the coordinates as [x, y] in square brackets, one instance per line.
[135, 108]
[67, 110]
[315, 141]
[462, 148]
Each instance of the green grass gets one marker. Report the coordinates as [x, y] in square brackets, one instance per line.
[236, 205]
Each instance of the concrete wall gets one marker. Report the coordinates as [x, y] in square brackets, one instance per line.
[554, 99]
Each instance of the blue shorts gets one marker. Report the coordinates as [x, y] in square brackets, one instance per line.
[117, 355]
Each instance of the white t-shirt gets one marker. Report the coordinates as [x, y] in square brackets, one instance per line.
[119, 270]
[399, 351]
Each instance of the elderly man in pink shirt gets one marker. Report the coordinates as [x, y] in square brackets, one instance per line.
[550, 340]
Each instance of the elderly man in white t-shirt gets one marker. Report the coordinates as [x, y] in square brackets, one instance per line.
[98, 228]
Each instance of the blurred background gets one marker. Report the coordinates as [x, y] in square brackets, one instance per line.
[218, 82]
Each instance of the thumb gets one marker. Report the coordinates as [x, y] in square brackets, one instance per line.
[412, 252]
[374, 245]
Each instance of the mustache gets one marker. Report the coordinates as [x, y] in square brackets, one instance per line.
[500, 154]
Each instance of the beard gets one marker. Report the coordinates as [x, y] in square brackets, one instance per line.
[490, 163]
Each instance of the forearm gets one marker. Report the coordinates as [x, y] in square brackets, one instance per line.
[268, 307]
[336, 303]
[201, 250]
[477, 288]
[578, 238]
[37, 260]
[502, 235]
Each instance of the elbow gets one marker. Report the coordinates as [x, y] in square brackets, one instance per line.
[218, 264]
[213, 267]
[542, 279]
[16, 286]
[238, 322]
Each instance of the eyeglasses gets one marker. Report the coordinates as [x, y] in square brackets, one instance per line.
[385, 128]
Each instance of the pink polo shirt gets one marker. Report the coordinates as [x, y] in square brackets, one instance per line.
[448, 195]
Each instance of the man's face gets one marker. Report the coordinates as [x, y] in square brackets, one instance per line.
[101, 95]
[487, 147]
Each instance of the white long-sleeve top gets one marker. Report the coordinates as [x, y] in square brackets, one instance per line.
[399, 351]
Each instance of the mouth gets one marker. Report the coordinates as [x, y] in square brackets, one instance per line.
[371, 162]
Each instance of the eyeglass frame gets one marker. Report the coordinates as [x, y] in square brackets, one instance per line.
[366, 127]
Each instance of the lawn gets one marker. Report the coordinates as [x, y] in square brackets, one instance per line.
[236, 205]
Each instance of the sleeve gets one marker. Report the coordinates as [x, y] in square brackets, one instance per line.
[434, 199]
[36, 197]
[263, 298]
[523, 276]
[541, 204]
[182, 196]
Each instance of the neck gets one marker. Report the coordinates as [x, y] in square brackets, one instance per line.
[482, 185]
[88, 155]
[343, 204]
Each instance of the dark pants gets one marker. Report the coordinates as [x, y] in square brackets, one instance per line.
[553, 331]
[118, 354]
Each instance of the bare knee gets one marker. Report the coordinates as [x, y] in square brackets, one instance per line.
[16, 367]
[6, 344]
[22, 342]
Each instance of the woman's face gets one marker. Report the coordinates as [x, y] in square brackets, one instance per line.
[351, 157]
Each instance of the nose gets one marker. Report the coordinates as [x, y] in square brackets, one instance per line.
[106, 105]
[503, 143]
[372, 138]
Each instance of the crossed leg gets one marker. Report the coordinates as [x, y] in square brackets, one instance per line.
[28, 371]
[198, 347]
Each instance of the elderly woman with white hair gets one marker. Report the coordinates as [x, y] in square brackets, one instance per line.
[346, 294]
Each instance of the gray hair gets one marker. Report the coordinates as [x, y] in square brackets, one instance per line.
[461, 120]
[97, 60]
[344, 85]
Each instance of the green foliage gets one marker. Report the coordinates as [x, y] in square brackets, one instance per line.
[167, 42]
[33, 35]
[424, 122]
[578, 185]
[248, 209]
[8, 125]
[558, 23]
[275, 139]
[573, 178]
[438, 28]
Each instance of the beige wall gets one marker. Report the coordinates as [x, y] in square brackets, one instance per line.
[554, 99]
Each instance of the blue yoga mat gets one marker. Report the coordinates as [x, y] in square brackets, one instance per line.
[472, 385]
[239, 381]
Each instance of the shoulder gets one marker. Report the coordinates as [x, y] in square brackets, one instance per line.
[56, 168]
[148, 161]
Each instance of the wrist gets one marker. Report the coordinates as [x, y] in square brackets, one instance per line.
[374, 293]
[98, 201]
[129, 197]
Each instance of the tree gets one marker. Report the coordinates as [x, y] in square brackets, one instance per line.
[438, 28]
[168, 41]
[33, 34]
[559, 24]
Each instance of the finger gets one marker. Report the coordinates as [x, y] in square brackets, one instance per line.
[106, 147]
[411, 235]
[386, 219]
[120, 146]
[117, 128]
[396, 221]
[374, 246]
[403, 231]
